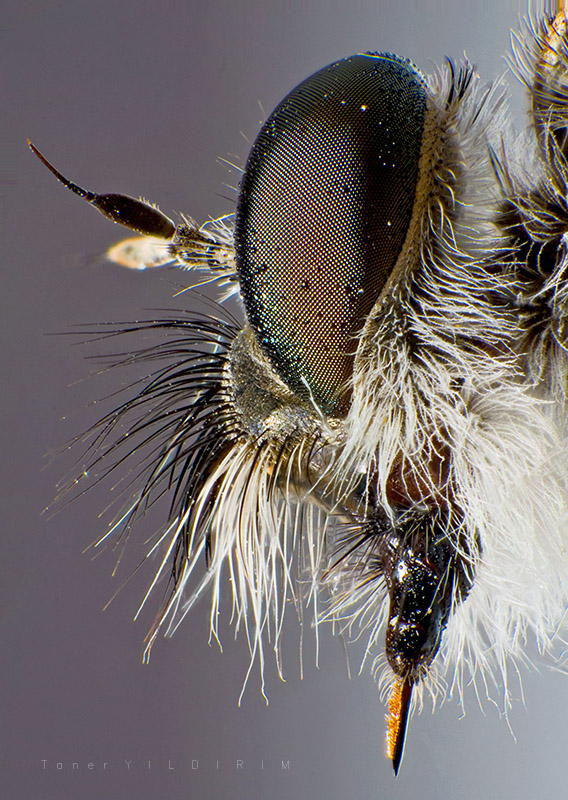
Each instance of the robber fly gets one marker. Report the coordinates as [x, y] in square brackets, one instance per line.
[388, 428]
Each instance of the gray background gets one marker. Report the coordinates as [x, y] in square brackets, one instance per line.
[144, 98]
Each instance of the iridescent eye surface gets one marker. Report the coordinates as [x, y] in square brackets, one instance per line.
[324, 208]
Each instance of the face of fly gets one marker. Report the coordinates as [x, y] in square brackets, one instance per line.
[405, 316]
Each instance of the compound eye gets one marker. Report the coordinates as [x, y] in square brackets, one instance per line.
[324, 208]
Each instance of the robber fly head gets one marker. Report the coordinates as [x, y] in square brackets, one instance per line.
[377, 424]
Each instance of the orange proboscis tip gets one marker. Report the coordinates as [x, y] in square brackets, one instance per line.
[555, 35]
[393, 725]
[399, 708]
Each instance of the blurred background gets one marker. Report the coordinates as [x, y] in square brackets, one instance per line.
[151, 99]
